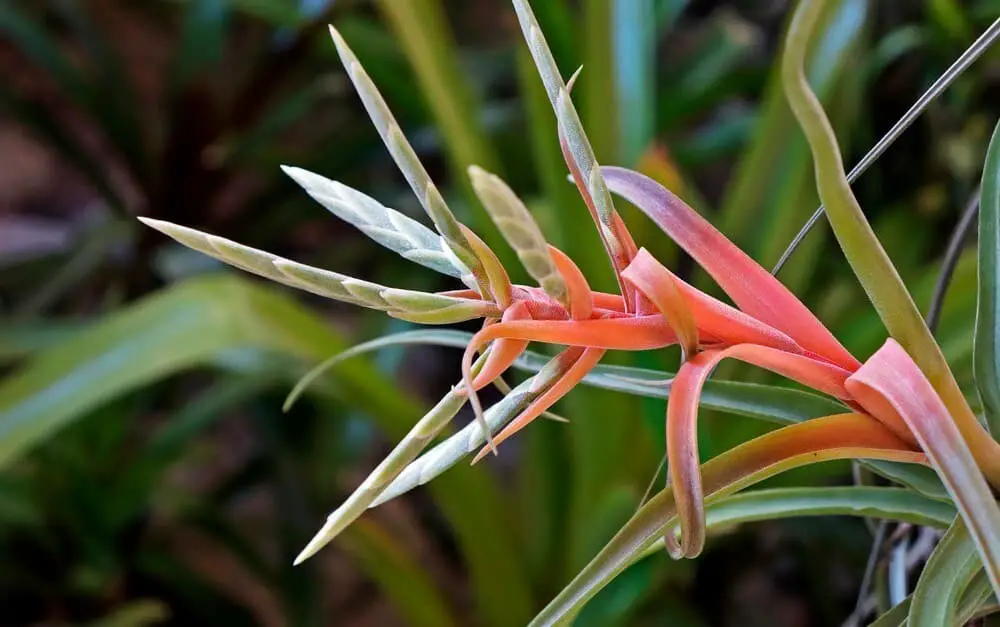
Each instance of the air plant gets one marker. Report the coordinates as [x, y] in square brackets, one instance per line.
[902, 404]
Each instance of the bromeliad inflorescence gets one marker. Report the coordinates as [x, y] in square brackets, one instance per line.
[891, 410]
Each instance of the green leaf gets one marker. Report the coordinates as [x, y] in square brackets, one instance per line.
[919, 478]
[415, 596]
[185, 326]
[866, 502]
[643, 534]
[948, 572]
[986, 359]
[865, 253]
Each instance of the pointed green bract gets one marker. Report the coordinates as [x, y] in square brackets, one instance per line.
[578, 148]
[406, 159]
[520, 230]
[390, 228]
[405, 452]
[472, 438]
[986, 360]
[428, 308]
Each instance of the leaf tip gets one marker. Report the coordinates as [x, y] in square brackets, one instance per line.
[321, 539]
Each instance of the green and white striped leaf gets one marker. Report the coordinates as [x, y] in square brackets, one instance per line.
[405, 304]
[390, 228]
[520, 230]
[406, 159]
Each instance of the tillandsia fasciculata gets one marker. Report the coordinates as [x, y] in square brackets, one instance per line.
[901, 404]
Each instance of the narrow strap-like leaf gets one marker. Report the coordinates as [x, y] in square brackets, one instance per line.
[406, 304]
[407, 161]
[390, 228]
[986, 360]
[519, 229]
[863, 250]
[948, 572]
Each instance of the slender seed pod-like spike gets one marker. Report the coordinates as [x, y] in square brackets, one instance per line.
[578, 151]
[406, 159]
[422, 433]
[519, 229]
[390, 228]
[429, 308]
[471, 438]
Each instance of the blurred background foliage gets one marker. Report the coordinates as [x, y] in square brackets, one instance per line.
[147, 473]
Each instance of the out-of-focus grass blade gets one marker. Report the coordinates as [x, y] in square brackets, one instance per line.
[201, 43]
[22, 339]
[634, 41]
[193, 323]
[773, 190]
[415, 596]
[948, 572]
[285, 13]
[986, 358]
[183, 327]
[599, 97]
[115, 104]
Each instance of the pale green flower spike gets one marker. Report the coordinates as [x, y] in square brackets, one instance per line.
[407, 161]
[570, 127]
[520, 230]
[390, 228]
[404, 304]
[405, 452]
[471, 438]
[402, 470]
